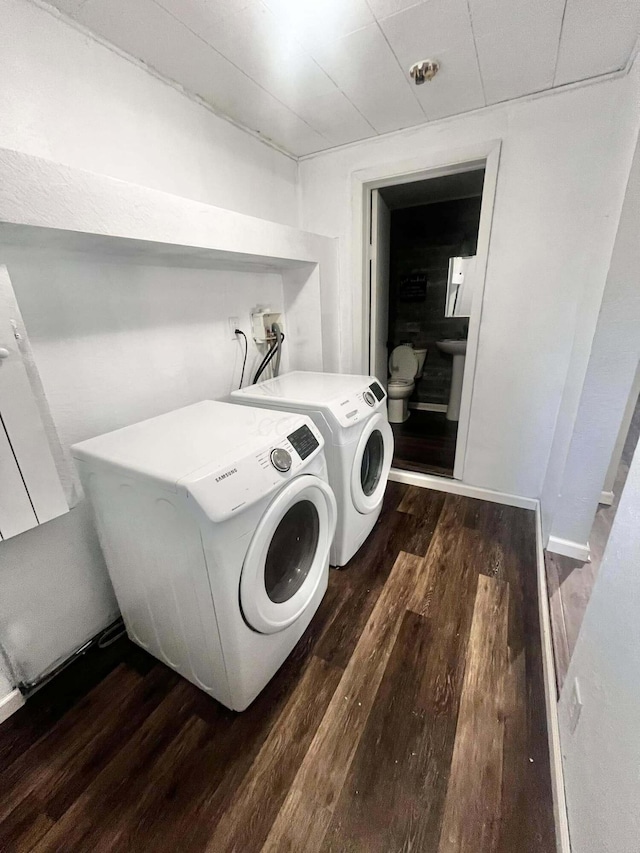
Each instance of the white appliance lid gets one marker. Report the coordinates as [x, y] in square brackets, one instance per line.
[173, 445]
[403, 363]
[306, 389]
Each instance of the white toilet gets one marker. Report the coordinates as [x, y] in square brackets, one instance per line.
[405, 366]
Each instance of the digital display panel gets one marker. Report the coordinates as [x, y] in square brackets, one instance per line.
[377, 390]
[304, 441]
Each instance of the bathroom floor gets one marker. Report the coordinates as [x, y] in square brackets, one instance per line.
[426, 442]
[411, 716]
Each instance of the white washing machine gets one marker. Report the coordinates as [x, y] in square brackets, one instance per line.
[351, 413]
[216, 523]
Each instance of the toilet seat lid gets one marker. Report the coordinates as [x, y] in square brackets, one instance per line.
[400, 382]
[403, 363]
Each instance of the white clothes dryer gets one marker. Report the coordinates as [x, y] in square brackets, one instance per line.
[216, 523]
[350, 412]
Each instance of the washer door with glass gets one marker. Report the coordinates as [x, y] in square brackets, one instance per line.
[371, 464]
[288, 555]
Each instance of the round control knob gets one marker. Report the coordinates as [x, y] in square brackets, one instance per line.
[281, 459]
[369, 399]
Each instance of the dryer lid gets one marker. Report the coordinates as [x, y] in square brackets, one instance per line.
[403, 363]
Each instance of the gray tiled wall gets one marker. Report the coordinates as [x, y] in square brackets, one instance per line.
[422, 241]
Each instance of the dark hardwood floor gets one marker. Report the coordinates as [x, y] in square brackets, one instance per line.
[410, 717]
[426, 442]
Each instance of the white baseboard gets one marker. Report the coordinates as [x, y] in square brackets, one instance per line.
[606, 498]
[10, 703]
[568, 548]
[429, 407]
[563, 842]
[455, 487]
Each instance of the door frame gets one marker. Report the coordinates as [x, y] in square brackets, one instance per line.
[433, 165]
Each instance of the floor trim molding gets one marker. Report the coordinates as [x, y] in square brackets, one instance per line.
[568, 548]
[563, 842]
[455, 487]
[429, 407]
[10, 703]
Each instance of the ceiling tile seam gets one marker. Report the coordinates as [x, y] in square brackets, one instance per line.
[341, 90]
[555, 67]
[609, 76]
[402, 71]
[397, 11]
[168, 81]
[237, 67]
[475, 50]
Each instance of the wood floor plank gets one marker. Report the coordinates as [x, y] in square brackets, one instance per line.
[246, 823]
[132, 758]
[367, 572]
[420, 502]
[47, 706]
[364, 578]
[235, 740]
[56, 753]
[381, 803]
[133, 825]
[472, 806]
[121, 781]
[394, 794]
[526, 766]
[307, 809]
[392, 496]
[25, 826]
[515, 757]
[451, 546]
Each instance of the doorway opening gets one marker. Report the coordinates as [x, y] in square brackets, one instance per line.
[426, 277]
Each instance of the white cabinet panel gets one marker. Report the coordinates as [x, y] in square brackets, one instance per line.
[31, 492]
[16, 512]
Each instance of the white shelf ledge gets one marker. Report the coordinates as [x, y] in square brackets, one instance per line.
[53, 207]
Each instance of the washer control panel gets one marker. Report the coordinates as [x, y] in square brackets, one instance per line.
[359, 405]
[281, 459]
[288, 446]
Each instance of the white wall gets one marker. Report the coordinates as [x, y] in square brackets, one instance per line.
[602, 757]
[564, 164]
[610, 376]
[67, 98]
[114, 343]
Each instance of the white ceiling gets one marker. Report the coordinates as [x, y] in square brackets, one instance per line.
[312, 74]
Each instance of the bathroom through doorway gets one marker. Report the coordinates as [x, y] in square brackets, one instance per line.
[428, 244]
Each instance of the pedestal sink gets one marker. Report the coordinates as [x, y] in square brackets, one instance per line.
[458, 349]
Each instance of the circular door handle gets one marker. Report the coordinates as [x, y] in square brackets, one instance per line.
[4, 352]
